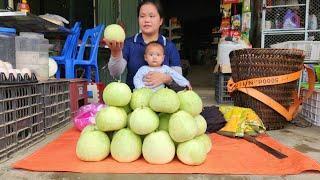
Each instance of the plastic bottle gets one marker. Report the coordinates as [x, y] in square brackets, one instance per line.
[278, 22]
[313, 22]
[24, 6]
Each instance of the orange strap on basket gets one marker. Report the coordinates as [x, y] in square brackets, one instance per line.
[245, 86]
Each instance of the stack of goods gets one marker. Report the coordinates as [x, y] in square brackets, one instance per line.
[157, 125]
[9, 75]
[34, 49]
[311, 107]
[288, 19]
[235, 28]
[235, 25]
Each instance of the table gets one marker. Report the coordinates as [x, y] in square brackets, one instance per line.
[27, 22]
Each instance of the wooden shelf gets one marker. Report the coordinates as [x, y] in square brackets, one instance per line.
[172, 28]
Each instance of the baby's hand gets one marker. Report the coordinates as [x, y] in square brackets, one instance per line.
[189, 87]
[154, 79]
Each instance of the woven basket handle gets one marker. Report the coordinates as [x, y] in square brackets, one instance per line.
[245, 86]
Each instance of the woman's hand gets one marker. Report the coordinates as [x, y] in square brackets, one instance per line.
[115, 47]
[154, 79]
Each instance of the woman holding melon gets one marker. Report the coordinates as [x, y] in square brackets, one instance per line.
[130, 52]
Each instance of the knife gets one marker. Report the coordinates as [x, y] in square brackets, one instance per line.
[265, 147]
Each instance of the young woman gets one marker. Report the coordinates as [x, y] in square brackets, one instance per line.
[130, 53]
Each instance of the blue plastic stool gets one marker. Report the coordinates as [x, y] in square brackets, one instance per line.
[91, 39]
[69, 48]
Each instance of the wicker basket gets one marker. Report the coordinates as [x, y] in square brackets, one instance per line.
[254, 63]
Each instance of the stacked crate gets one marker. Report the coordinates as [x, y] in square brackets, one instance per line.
[311, 108]
[21, 117]
[79, 95]
[221, 94]
[56, 104]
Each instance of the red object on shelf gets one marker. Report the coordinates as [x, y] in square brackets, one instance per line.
[78, 94]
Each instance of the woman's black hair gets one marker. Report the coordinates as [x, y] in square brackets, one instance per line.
[156, 3]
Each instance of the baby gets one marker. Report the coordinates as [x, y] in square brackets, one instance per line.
[154, 55]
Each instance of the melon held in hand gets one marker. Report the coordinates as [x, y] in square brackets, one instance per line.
[114, 32]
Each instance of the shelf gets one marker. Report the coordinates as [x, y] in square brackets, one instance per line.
[175, 37]
[284, 31]
[317, 30]
[273, 36]
[26, 22]
[306, 61]
[172, 28]
[288, 5]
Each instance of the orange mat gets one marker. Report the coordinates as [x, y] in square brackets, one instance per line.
[228, 156]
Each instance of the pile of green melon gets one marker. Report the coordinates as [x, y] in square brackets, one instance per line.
[155, 125]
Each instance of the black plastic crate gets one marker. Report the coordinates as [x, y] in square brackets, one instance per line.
[56, 103]
[52, 121]
[55, 113]
[67, 105]
[49, 99]
[36, 109]
[50, 110]
[30, 128]
[37, 123]
[58, 121]
[33, 134]
[8, 138]
[221, 94]
[2, 131]
[24, 135]
[3, 146]
[23, 123]
[22, 112]
[54, 87]
[61, 106]
[18, 105]
[7, 146]
[29, 131]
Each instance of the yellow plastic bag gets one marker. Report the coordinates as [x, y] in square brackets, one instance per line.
[240, 121]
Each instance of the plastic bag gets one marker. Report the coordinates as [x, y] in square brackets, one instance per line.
[291, 20]
[214, 118]
[241, 121]
[313, 22]
[56, 19]
[86, 115]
